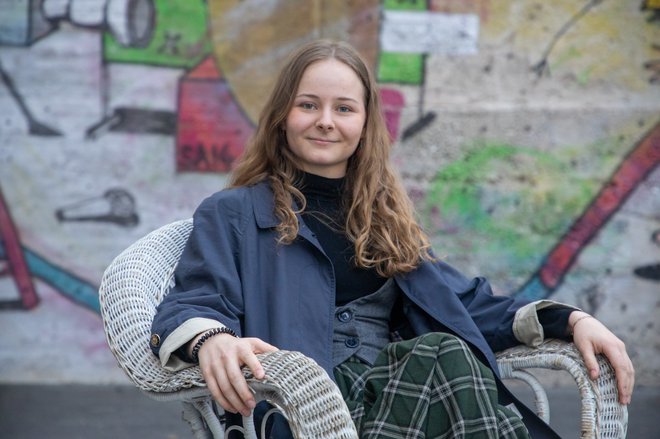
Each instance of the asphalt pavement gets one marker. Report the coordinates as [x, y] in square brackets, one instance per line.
[118, 411]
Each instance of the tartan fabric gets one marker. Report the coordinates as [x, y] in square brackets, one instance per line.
[429, 387]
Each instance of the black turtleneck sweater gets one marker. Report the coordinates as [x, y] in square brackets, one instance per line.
[326, 217]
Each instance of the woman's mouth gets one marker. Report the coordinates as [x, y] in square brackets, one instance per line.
[322, 141]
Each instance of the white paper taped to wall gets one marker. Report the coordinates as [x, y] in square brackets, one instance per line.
[429, 32]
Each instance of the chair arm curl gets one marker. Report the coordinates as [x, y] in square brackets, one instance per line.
[601, 414]
[296, 385]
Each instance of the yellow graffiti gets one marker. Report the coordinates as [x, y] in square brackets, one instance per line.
[252, 38]
[611, 38]
[652, 4]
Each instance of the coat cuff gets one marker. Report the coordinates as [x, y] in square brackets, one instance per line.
[181, 336]
[526, 326]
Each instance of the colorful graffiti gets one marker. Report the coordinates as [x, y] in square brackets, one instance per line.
[634, 168]
[22, 264]
[212, 127]
[179, 41]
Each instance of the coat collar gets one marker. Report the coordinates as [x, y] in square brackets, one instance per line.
[264, 205]
[264, 213]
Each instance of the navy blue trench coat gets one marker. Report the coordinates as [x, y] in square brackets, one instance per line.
[232, 270]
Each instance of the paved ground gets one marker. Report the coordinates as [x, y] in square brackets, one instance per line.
[111, 412]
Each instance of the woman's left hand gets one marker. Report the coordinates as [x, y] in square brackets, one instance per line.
[591, 337]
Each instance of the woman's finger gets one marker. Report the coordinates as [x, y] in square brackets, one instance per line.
[623, 369]
[250, 359]
[232, 386]
[241, 389]
[214, 387]
[625, 383]
[589, 357]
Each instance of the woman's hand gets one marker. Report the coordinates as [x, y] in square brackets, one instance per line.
[591, 337]
[221, 358]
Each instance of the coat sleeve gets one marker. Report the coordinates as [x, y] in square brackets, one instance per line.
[207, 285]
[504, 321]
[493, 315]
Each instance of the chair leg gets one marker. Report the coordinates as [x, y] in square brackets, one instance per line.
[193, 417]
[205, 408]
[540, 397]
[249, 428]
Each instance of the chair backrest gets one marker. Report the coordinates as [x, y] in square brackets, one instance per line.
[131, 289]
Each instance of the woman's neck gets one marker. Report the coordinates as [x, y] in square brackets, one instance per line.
[319, 186]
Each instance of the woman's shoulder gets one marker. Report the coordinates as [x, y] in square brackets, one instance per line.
[229, 195]
[236, 199]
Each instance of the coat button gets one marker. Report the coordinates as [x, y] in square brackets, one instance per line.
[155, 340]
[345, 316]
[352, 342]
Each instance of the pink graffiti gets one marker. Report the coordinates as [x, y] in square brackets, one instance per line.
[392, 103]
[15, 262]
[212, 128]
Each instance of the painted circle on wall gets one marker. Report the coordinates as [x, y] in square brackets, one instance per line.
[252, 38]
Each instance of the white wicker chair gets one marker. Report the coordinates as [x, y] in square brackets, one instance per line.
[139, 277]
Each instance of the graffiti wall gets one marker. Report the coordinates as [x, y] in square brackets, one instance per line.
[528, 137]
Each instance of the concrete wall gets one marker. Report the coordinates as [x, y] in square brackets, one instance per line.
[528, 135]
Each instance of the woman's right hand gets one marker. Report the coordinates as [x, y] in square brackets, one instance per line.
[221, 358]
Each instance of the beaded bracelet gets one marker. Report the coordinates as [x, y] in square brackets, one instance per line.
[208, 334]
[586, 316]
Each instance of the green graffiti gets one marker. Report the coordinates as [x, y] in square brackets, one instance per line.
[402, 68]
[180, 39]
[584, 75]
[571, 54]
[509, 203]
[567, 55]
[405, 5]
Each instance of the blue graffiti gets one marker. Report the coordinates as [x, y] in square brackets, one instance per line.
[71, 286]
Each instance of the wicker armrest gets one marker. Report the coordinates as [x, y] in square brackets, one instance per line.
[302, 390]
[294, 384]
[601, 414]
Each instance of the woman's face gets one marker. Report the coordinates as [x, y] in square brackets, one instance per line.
[326, 122]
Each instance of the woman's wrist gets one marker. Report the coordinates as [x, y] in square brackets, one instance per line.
[192, 343]
[575, 318]
[195, 344]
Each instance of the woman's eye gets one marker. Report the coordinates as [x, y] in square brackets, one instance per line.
[344, 109]
[307, 106]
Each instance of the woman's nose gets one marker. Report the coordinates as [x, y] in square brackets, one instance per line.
[325, 121]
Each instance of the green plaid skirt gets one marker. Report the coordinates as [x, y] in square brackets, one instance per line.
[429, 387]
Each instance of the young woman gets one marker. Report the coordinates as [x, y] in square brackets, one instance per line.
[315, 248]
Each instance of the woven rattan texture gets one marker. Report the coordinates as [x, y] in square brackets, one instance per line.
[305, 394]
[601, 414]
[131, 288]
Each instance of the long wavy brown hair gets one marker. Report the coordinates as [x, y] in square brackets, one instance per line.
[380, 218]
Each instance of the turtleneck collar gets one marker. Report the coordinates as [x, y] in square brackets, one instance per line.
[317, 186]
